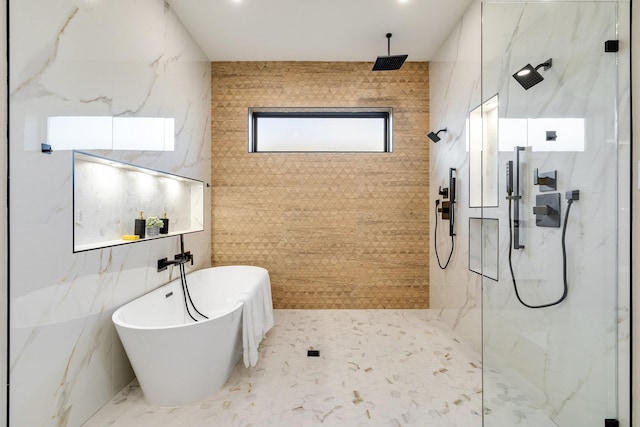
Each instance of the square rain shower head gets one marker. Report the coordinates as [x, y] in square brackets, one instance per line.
[433, 136]
[388, 63]
[528, 77]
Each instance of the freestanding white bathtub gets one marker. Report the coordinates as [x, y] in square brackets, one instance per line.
[176, 360]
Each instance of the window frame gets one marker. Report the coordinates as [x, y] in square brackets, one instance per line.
[321, 113]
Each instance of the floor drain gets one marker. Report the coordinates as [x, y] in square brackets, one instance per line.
[313, 353]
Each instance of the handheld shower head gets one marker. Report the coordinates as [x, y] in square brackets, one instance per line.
[434, 136]
[528, 76]
[390, 62]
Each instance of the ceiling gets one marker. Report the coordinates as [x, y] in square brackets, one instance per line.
[318, 30]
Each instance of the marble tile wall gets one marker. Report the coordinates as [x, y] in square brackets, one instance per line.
[455, 90]
[103, 208]
[635, 42]
[589, 332]
[566, 353]
[115, 58]
[624, 209]
[3, 218]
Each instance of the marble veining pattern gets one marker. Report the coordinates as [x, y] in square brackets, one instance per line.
[87, 58]
[566, 354]
[376, 367]
[565, 366]
[454, 77]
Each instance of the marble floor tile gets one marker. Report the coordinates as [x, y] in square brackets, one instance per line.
[376, 367]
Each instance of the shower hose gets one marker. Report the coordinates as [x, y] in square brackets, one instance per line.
[564, 260]
[435, 244]
[185, 294]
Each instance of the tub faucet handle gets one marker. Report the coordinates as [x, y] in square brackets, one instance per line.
[163, 264]
[184, 257]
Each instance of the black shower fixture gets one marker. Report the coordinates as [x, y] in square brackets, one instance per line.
[434, 136]
[528, 76]
[390, 62]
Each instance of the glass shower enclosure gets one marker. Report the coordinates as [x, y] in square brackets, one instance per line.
[555, 146]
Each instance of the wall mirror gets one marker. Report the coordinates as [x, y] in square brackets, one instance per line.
[483, 154]
[483, 246]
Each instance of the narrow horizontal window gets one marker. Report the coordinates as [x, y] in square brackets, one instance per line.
[320, 131]
[111, 133]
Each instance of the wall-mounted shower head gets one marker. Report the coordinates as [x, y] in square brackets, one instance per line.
[390, 62]
[528, 76]
[434, 135]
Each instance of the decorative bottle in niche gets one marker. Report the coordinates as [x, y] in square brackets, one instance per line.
[165, 224]
[140, 226]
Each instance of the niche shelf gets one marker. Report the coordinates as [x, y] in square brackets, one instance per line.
[108, 196]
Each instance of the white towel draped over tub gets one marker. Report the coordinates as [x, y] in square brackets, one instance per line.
[257, 318]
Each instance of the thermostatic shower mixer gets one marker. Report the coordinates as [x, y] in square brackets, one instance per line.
[546, 180]
[547, 212]
[448, 213]
[447, 209]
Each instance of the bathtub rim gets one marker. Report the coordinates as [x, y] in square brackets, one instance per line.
[115, 318]
[117, 321]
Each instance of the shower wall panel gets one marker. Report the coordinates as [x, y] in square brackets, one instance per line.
[344, 230]
[455, 91]
[4, 295]
[88, 58]
[567, 359]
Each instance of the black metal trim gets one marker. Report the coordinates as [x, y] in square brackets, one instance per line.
[611, 46]
[631, 213]
[255, 115]
[322, 114]
[8, 211]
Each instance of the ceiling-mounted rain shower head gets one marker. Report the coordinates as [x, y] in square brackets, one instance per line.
[388, 63]
[528, 76]
[434, 136]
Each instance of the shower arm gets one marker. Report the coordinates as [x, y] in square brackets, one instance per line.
[546, 64]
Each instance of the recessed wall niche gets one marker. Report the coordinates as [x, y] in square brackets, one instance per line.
[108, 196]
[483, 154]
[483, 246]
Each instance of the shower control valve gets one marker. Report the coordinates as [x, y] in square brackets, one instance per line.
[445, 210]
[543, 210]
[444, 192]
[546, 180]
[184, 258]
[547, 210]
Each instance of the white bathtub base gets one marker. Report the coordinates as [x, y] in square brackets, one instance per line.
[186, 370]
[178, 361]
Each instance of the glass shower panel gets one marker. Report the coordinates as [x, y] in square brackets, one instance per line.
[556, 365]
